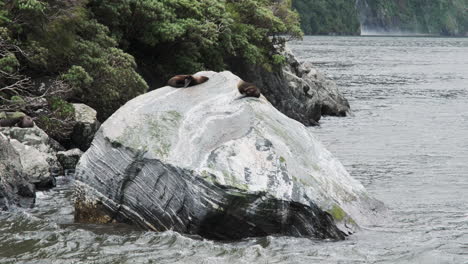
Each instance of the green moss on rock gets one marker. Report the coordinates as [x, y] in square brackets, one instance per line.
[337, 213]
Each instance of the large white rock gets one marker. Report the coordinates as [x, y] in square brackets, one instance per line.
[203, 160]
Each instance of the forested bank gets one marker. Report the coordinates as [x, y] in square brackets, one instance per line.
[96, 52]
[326, 17]
[438, 17]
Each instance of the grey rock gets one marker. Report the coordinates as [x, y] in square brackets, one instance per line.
[68, 159]
[37, 153]
[303, 76]
[35, 165]
[85, 127]
[202, 161]
[15, 190]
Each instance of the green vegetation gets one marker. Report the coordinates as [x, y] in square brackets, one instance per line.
[444, 17]
[58, 40]
[337, 213]
[96, 51]
[320, 17]
[180, 36]
[103, 53]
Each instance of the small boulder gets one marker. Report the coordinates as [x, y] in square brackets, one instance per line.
[35, 165]
[68, 159]
[15, 189]
[85, 127]
[37, 153]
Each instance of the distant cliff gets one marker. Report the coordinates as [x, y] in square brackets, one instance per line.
[437, 17]
[328, 17]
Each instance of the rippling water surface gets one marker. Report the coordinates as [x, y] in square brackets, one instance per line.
[407, 142]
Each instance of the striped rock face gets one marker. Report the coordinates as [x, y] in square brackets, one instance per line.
[201, 160]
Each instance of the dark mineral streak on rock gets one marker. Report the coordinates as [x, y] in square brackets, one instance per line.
[236, 215]
[260, 215]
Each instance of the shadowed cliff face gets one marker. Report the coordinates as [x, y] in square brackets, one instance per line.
[296, 89]
[202, 160]
[338, 17]
[438, 17]
[327, 17]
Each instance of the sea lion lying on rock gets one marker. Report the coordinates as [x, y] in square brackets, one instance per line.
[9, 122]
[23, 122]
[248, 89]
[186, 80]
[26, 121]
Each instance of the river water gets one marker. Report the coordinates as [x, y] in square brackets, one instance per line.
[406, 141]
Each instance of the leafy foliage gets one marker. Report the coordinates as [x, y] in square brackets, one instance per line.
[445, 17]
[323, 17]
[82, 44]
[179, 36]
[53, 52]
[59, 39]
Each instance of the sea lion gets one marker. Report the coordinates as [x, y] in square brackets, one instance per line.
[26, 121]
[10, 122]
[186, 80]
[248, 89]
[23, 122]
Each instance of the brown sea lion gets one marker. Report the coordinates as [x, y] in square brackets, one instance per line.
[26, 121]
[248, 89]
[10, 122]
[23, 122]
[186, 80]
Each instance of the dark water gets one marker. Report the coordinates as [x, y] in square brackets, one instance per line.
[407, 142]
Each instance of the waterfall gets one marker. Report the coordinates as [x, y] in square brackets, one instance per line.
[374, 21]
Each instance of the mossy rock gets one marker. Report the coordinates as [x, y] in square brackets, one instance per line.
[11, 115]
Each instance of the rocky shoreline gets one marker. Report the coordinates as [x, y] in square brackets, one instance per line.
[290, 202]
[30, 159]
[297, 89]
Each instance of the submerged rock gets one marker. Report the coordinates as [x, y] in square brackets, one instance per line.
[15, 190]
[203, 161]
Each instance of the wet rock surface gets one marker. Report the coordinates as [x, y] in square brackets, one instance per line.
[15, 190]
[68, 159]
[85, 127]
[203, 161]
[37, 153]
